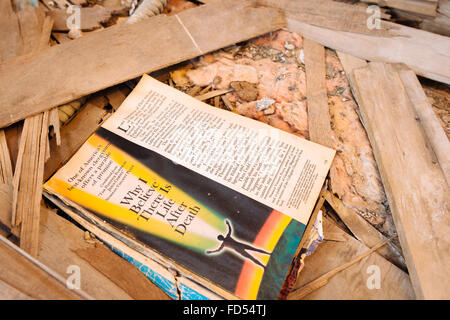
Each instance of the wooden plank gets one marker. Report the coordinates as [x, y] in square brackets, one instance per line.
[33, 279]
[427, 54]
[428, 119]
[61, 241]
[323, 280]
[350, 63]
[319, 126]
[119, 53]
[122, 273]
[423, 7]
[54, 122]
[416, 188]
[329, 14]
[351, 284]
[58, 240]
[439, 24]
[10, 293]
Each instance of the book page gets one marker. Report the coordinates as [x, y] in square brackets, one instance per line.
[271, 166]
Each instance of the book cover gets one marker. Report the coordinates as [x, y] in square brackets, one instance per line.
[219, 222]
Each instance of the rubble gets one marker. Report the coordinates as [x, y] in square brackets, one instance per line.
[246, 57]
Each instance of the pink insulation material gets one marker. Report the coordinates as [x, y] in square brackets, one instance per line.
[275, 64]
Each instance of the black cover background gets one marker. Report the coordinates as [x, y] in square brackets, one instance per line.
[223, 269]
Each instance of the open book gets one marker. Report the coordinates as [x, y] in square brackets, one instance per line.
[204, 201]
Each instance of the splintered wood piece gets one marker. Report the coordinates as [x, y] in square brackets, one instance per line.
[115, 97]
[15, 217]
[227, 102]
[43, 142]
[217, 101]
[194, 90]
[205, 90]
[5, 204]
[415, 185]
[12, 134]
[35, 30]
[43, 41]
[27, 182]
[323, 280]
[31, 21]
[102, 59]
[6, 172]
[54, 121]
[319, 126]
[212, 94]
[28, 179]
[32, 178]
[47, 149]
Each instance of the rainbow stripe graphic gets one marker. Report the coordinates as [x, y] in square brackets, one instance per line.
[251, 274]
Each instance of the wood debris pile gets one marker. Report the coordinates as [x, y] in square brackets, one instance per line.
[379, 97]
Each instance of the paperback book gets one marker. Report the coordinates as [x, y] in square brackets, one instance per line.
[207, 203]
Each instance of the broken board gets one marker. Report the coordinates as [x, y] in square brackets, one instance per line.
[120, 53]
[350, 284]
[418, 194]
